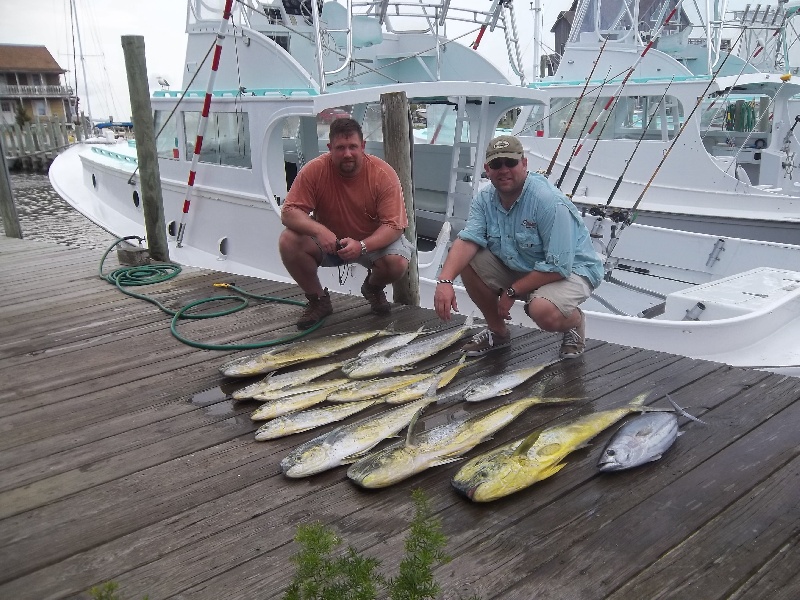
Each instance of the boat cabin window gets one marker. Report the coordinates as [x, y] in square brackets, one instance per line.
[627, 119]
[226, 140]
[167, 141]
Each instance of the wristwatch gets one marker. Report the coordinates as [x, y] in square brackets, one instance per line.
[363, 248]
[511, 292]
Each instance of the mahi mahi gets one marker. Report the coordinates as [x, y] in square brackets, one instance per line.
[521, 463]
[309, 419]
[346, 443]
[281, 406]
[405, 358]
[295, 353]
[418, 389]
[438, 446]
[291, 379]
[372, 388]
[491, 387]
[311, 386]
[391, 343]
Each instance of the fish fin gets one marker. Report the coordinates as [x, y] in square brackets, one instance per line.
[528, 443]
[411, 425]
[447, 461]
[433, 388]
[638, 402]
[683, 412]
[551, 470]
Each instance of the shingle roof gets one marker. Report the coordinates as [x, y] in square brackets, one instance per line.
[30, 59]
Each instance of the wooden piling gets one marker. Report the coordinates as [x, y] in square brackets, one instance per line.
[396, 121]
[143, 128]
[7, 209]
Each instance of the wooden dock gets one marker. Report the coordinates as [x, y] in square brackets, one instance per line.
[122, 457]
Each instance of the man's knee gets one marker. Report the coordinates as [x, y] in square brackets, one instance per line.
[392, 265]
[545, 314]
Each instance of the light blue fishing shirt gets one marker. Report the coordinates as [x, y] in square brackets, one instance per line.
[542, 231]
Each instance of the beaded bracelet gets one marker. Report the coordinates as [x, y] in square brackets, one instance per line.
[444, 281]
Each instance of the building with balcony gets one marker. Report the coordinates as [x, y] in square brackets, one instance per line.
[30, 77]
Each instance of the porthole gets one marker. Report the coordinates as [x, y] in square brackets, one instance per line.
[223, 248]
[172, 229]
[136, 198]
[94, 181]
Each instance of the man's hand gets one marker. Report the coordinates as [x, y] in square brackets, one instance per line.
[349, 249]
[504, 305]
[327, 241]
[444, 299]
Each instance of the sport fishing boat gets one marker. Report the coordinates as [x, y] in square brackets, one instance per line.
[676, 117]
[259, 126]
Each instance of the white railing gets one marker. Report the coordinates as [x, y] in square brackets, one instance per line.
[35, 90]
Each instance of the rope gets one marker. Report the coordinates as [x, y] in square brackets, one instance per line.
[125, 277]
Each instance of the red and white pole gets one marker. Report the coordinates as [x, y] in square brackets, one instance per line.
[201, 128]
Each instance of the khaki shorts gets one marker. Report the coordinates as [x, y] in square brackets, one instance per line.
[400, 247]
[565, 294]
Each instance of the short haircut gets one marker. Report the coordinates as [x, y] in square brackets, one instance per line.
[345, 127]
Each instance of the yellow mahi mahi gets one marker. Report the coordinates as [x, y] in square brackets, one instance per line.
[295, 353]
[437, 446]
[521, 463]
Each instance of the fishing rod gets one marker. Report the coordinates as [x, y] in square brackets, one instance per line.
[583, 128]
[574, 111]
[686, 121]
[638, 142]
[622, 84]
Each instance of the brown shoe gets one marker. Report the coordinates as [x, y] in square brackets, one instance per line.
[485, 341]
[376, 296]
[318, 308]
[574, 342]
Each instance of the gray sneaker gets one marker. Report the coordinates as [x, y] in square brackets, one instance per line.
[485, 341]
[574, 342]
[318, 308]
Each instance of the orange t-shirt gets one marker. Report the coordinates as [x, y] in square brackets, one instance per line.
[351, 207]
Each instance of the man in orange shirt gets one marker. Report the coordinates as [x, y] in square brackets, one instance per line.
[358, 216]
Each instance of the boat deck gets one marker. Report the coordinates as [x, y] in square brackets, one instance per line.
[123, 458]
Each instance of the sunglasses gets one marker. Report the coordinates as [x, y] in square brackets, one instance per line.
[499, 163]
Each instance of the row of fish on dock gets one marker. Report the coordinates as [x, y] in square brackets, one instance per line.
[290, 405]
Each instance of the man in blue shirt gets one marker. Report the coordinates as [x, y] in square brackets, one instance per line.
[523, 240]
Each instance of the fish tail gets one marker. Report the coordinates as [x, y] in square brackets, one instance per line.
[683, 412]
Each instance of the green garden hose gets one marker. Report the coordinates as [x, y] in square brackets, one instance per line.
[156, 273]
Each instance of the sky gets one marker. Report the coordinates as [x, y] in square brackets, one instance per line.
[101, 24]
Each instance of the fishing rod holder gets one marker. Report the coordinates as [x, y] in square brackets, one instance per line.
[617, 215]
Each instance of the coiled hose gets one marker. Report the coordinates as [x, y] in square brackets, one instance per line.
[126, 277]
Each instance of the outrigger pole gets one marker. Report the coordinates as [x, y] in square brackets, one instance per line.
[201, 127]
[574, 112]
[583, 128]
[686, 121]
[617, 93]
[638, 142]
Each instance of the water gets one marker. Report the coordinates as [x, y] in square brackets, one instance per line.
[45, 216]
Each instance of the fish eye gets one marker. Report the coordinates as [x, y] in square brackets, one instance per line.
[610, 452]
